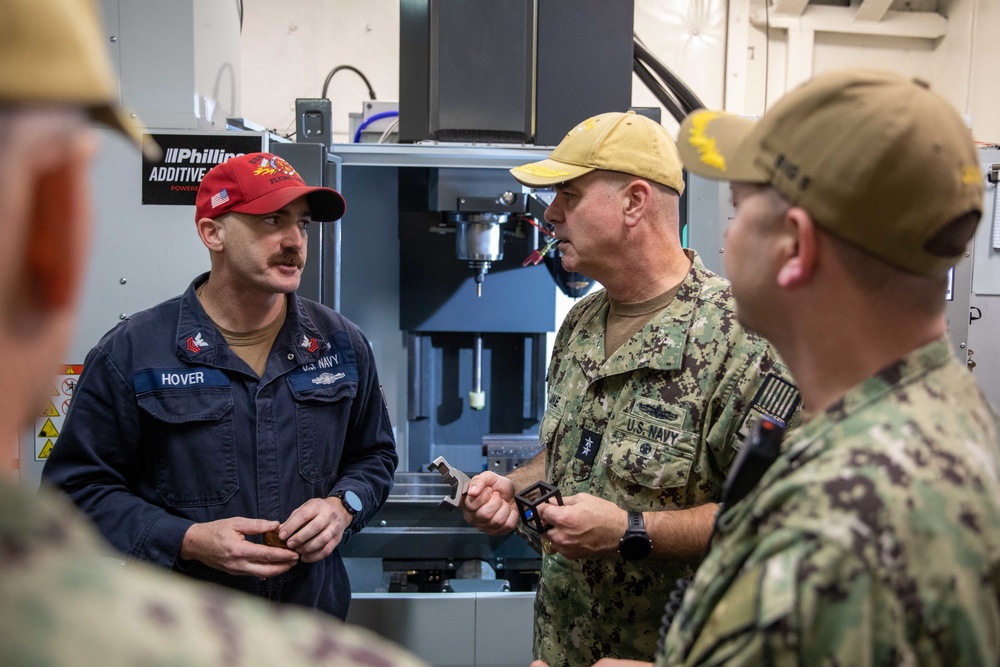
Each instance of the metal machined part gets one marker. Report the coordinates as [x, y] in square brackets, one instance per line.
[458, 480]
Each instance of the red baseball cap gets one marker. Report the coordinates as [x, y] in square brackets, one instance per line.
[259, 183]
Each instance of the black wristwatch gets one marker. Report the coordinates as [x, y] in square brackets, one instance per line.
[635, 543]
[350, 501]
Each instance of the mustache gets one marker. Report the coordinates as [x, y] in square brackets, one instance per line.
[286, 258]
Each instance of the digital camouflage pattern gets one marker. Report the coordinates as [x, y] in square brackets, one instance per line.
[654, 427]
[66, 599]
[873, 540]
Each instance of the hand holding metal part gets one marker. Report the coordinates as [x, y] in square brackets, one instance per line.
[459, 482]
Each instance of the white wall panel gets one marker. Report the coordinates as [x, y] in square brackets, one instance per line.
[689, 38]
[289, 47]
[984, 76]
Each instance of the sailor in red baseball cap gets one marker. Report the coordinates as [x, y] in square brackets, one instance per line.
[253, 213]
[236, 433]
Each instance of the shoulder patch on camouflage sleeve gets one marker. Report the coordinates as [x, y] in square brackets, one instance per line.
[777, 398]
[590, 442]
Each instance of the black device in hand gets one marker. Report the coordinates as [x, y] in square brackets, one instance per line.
[529, 500]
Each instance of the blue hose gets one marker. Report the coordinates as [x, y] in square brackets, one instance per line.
[372, 119]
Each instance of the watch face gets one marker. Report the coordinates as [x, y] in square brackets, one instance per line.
[634, 547]
[351, 501]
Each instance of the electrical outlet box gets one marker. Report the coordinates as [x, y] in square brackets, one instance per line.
[313, 123]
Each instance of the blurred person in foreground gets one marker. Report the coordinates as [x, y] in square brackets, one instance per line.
[65, 598]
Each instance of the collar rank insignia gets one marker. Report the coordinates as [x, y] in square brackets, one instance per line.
[194, 344]
[309, 343]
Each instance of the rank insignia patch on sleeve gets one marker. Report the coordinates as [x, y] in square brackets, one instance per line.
[590, 442]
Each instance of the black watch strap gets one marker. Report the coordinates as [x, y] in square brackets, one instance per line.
[635, 543]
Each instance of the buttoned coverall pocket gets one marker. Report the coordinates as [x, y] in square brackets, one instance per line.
[192, 445]
[322, 416]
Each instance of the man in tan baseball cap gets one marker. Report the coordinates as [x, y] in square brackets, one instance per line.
[65, 598]
[651, 387]
[874, 538]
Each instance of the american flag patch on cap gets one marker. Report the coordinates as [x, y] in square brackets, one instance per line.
[220, 199]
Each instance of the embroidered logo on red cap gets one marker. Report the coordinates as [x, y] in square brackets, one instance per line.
[270, 165]
[195, 343]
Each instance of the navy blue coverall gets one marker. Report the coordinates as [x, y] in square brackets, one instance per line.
[168, 427]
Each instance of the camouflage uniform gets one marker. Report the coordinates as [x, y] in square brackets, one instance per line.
[873, 540]
[66, 599]
[654, 427]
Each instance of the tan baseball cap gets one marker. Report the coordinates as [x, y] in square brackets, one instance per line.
[625, 142]
[877, 160]
[54, 52]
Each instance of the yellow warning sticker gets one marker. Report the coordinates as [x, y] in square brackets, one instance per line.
[49, 422]
[48, 430]
[46, 450]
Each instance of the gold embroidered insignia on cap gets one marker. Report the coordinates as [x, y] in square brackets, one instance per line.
[971, 174]
[705, 145]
